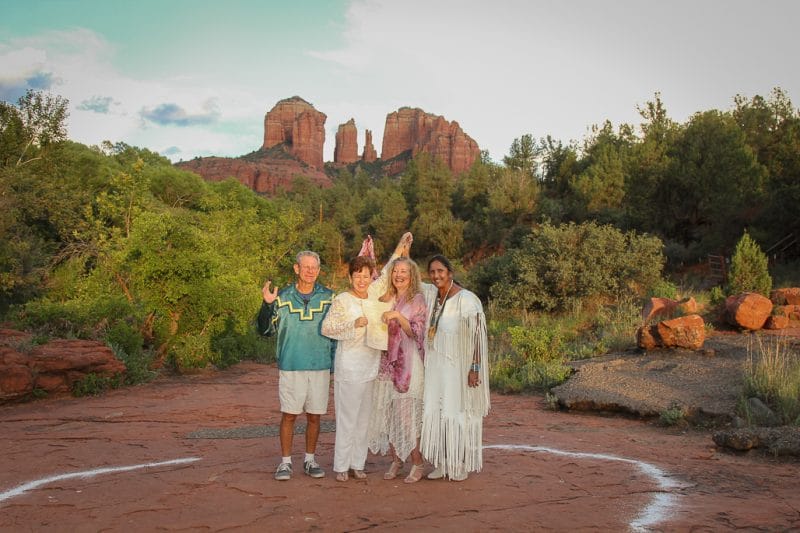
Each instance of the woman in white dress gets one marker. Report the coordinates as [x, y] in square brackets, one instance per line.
[355, 369]
[397, 417]
[356, 363]
[456, 376]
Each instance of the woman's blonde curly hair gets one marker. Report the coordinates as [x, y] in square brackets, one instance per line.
[414, 287]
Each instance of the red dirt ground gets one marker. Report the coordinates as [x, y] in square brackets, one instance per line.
[700, 488]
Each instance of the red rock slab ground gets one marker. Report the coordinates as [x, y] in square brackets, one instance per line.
[578, 472]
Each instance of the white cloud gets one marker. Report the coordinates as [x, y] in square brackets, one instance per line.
[83, 64]
[510, 67]
[501, 69]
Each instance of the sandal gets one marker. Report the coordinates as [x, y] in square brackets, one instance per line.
[415, 474]
[397, 464]
[341, 476]
[359, 474]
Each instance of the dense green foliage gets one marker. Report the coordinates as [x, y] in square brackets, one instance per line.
[560, 266]
[115, 243]
[749, 272]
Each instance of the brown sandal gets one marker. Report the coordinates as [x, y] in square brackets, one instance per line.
[341, 476]
[359, 474]
[394, 469]
[415, 474]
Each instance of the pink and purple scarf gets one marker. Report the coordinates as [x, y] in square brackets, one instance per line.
[399, 355]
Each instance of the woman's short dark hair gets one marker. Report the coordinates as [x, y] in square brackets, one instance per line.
[357, 264]
[443, 260]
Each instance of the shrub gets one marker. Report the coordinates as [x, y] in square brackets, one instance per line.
[749, 271]
[772, 373]
[614, 326]
[190, 352]
[716, 295]
[137, 366]
[672, 415]
[536, 343]
[534, 362]
[232, 346]
[558, 266]
[486, 273]
[663, 289]
[128, 338]
[93, 384]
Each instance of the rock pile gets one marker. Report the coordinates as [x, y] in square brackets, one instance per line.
[51, 367]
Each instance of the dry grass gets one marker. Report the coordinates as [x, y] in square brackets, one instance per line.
[772, 373]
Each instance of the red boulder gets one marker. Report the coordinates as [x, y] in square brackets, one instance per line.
[748, 310]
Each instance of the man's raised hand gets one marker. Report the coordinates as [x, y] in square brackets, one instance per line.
[269, 295]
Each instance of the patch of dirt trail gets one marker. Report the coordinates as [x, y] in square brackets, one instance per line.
[543, 470]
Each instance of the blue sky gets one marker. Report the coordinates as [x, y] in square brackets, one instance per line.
[195, 78]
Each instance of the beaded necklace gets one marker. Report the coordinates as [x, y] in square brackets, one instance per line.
[438, 309]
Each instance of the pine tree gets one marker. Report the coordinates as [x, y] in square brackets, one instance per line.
[749, 271]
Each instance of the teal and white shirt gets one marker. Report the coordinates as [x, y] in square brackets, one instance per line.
[297, 319]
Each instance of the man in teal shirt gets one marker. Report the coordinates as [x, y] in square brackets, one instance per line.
[305, 356]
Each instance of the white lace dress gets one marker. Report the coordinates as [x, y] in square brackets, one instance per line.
[397, 416]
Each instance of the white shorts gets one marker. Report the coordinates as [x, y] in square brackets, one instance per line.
[304, 390]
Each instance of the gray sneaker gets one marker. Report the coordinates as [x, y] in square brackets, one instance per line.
[284, 472]
[312, 469]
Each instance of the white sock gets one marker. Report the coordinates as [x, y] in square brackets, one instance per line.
[309, 457]
[287, 460]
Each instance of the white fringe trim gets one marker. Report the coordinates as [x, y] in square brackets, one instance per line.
[453, 445]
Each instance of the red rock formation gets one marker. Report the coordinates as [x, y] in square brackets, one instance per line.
[790, 296]
[51, 367]
[346, 150]
[264, 175]
[748, 310]
[682, 332]
[664, 308]
[777, 322]
[296, 123]
[370, 154]
[418, 131]
[294, 136]
[792, 312]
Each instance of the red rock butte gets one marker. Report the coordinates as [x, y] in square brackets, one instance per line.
[415, 130]
[370, 154]
[296, 123]
[294, 139]
[346, 150]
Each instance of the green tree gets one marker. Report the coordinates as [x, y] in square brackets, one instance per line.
[597, 189]
[558, 266]
[560, 165]
[600, 189]
[772, 129]
[714, 182]
[36, 122]
[749, 272]
[524, 156]
[385, 214]
[648, 165]
[428, 187]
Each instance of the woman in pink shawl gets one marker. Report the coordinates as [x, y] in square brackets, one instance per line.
[397, 414]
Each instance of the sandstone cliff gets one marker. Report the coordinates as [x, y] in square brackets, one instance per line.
[294, 137]
[346, 150]
[297, 124]
[264, 171]
[370, 154]
[413, 130]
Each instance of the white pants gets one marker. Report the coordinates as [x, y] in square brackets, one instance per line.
[353, 402]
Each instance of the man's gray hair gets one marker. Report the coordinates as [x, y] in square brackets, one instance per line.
[308, 253]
